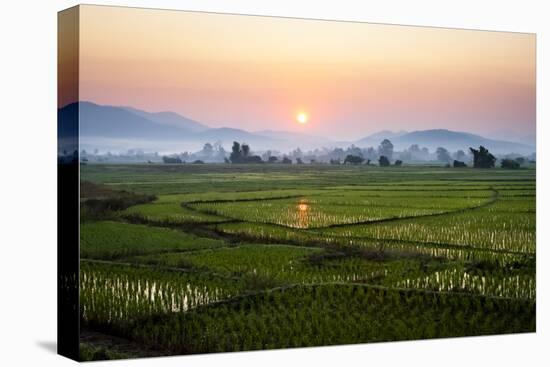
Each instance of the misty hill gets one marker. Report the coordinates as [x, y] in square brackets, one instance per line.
[65, 127]
[121, 128]
[386, 134]
[117, 122]
[170, 119]
[127, 123]
[451, 140]
[109, 127]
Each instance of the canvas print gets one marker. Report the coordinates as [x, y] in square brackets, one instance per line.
[246, 183]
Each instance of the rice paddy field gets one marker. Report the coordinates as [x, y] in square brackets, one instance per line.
[218, 258]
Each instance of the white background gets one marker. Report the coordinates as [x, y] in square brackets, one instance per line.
[28, 183]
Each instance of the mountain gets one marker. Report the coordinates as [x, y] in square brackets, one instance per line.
[508, 135]
[170, 119]
[66, 127]
[452, 140]
[117, 122]
[387, 134]
[375, 139]
[121, 128]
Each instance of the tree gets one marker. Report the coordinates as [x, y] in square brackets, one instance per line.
[337, 153]
[253, 159]
[414, 150]
[398, 163]
[287, 160]
[353, 159]
[272, 159]
[509, 164]
[299, 161]
[208, 150]
[245, 148]
[220, 153]
[386, 149]
[297, 153]
[443, 155]
[171, 160]
[414, 153]
[383, 161]
[458, 164]
[334, 161]
[482, 158]
[460, 155]
[241, 154]
[520, 160]
[370, 153]
[353, 150]
[235, 156]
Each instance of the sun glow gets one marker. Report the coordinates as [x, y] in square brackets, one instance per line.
[302, 117]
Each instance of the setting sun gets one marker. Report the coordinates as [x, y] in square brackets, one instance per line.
[302, 118]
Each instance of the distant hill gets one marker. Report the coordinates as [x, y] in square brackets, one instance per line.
[451, 140]
[170, 119]
[117, 122]
[127, 122]
[109, 127]
[375, 139]
[120, 128]
[66, 128]
[386, 134]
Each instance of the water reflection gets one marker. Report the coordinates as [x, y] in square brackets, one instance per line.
[303, 214]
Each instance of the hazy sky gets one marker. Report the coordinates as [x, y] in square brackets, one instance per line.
[352, 79]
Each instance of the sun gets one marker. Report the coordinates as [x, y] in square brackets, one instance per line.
[302, 118]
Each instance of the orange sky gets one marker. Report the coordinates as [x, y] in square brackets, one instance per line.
[351, 78]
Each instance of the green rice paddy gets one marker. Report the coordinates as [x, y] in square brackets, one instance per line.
[245, 257]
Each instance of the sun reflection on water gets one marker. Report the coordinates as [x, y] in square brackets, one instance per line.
[303, 214]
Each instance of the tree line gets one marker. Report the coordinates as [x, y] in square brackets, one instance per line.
[242, 154]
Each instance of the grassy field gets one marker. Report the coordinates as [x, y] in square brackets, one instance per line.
[215, 258]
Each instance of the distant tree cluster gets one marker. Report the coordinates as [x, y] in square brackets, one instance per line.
[482, 158]
[384, 155]
[443, 155]
[510, 164]
[241, 154]
[383, 161]
[353, 159]
[171, 160]
[385, 149]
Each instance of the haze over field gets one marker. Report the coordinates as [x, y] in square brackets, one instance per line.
[118, 129]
